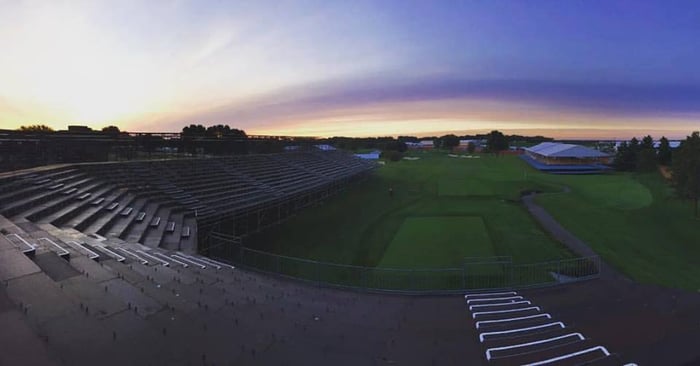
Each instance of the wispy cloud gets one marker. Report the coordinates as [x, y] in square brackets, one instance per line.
[452, 98]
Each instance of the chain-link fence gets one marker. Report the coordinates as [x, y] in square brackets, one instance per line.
[475, 273]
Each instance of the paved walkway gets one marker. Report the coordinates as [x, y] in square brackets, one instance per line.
[558, 232]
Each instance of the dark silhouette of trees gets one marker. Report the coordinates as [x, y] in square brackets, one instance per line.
[628, 155]
[36, 128]
[665, 153]
[686, 169]
[496, 142]
[219, 131]
[194, 130]
[111, 130]
[448, 142]
[646, 158]
[408, 138]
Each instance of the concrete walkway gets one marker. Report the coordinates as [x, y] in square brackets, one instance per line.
[558, 232]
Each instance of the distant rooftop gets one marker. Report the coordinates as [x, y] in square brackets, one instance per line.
[559, 150]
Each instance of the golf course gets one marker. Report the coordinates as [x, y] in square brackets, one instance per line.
[443, 209]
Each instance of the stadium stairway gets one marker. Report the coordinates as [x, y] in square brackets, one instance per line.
[514, 331]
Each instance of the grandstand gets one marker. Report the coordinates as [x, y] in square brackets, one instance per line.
[167, 203]
[558, 158]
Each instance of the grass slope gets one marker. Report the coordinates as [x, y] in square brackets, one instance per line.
[357, 226]
[633, 221]
[436, 242]
[642, 229]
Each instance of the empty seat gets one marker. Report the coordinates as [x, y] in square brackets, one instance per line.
[98, 201]
[84, 196]
[140, 216]
[155, 221]
[70, 191]
[113, 206]
[56, 186]
[186, 232]
[170, 227]
[127, 211]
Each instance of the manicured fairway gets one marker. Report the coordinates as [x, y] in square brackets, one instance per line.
[463, 187]
[434, 242]
[359, 225]
[633, 221]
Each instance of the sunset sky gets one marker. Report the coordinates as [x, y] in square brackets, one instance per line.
[589, 69]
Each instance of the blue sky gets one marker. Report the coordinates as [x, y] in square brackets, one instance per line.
[572, 68]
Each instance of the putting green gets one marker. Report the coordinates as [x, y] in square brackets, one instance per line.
[437, 241]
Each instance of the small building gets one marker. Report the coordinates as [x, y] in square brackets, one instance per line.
[79, 129]
[556, 157]
[374, 155]
[325, 147]
[421, 145]
[672, 144]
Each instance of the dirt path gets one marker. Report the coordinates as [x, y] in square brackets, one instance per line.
[558, 232]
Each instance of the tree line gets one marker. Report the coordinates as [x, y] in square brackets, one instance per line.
[41, 128]
[684, 161]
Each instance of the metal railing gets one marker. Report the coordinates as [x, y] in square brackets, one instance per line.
[484, 273]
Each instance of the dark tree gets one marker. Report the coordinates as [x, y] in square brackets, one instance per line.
[449, 142]
[664, 155]
[408, 139]
[646, 158]
[399, 146]
[496, 142]
[112, 130]
[471, 147]
[628, 155]
[634, 145]
[686, 169]
[219, 131]
[194, 130]
[36, 128]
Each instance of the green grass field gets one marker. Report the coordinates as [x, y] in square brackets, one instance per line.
[633, 221]
[359, 225]
[437, 241]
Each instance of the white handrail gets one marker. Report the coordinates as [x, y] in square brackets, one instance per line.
[209, 260]
[471, 307]
[545, 315]
[164, 263]
[62, 250]
[188, 260]
[490, 350]
[199, 260]
[143, 261]
[495, 298]
[491, 294]
[91, 255]
[474, 315]
[483, 335]
[171, 259]
[574, 354]
[31, 247]
[116, 256]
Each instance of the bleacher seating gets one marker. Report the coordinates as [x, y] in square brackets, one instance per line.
[170, 197]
